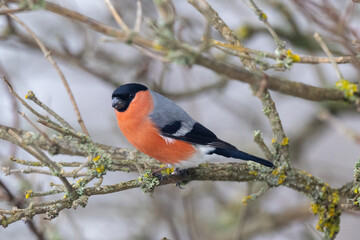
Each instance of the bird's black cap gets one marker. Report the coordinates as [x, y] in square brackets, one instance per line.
[123, 95]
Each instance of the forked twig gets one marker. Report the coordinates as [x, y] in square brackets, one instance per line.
[116, 16]
[32, 97]
[48, 56]
[327, 51]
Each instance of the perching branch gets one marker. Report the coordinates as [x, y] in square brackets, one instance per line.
[165, 43]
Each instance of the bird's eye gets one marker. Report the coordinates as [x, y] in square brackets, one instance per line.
[131, 96]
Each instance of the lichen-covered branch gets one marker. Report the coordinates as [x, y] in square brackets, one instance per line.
[83, 178]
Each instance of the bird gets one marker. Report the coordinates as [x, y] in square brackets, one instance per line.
[158, 127]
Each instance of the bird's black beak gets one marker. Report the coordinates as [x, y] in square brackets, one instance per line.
[118, 103]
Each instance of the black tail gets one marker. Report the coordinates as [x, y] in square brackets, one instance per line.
[234, 153]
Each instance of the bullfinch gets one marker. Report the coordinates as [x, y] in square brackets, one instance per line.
[158, 127]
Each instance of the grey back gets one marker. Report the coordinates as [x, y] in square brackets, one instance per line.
[167, 112]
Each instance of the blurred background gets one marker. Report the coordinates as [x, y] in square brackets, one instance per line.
[95, 65]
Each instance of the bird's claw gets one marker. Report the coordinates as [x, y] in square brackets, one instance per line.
[158, 175]
[181, 172]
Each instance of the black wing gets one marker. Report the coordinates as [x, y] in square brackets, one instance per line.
[198, 134]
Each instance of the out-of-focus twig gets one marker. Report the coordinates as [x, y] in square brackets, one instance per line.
[37, 129]
[29, 170]
[338, 125]
[325, 48]
[31, 96]
[284, 86]
[263, 17]
[139, 17]
[116, 16]
[11, 10]
[11, 89]
[47, 55]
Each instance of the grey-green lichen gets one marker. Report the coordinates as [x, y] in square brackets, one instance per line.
[149, 181]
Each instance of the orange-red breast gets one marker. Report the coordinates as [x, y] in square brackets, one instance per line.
[158, 127]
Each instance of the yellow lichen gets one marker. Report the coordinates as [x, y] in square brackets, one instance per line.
[253, 173]
[96, 158]
[263, 16]
[285, 141]
[331, 212]
[335, 197]
[28, 194]
[242, 32]
[29, 94]
[275, 172]
[167, 171]
[319, 228]
[293, 57]
[246, 199]
[157, 47]
[356, 190]
[348, 88]
[100, 169]
[282, 178]
[314, 208]
[328, 213]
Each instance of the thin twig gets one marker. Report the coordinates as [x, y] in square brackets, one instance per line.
[14, 10]
[48, 56]
[46, 193]
[339, 126]
[151, 54]
[39, 164]
[134, 155]
[304, 59]
[31, 96]
[52, 143]
[11, 89]
[139, 17]
[84, 164]
[260, 141]
[64, 131]
[29, 170]
[116, 16]
[327, 51]
[263, 17]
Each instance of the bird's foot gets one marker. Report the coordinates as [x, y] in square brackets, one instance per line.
[183, 174]
[162, 172]
[158, 175]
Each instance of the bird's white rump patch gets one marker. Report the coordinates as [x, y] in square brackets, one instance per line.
[201, 155]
